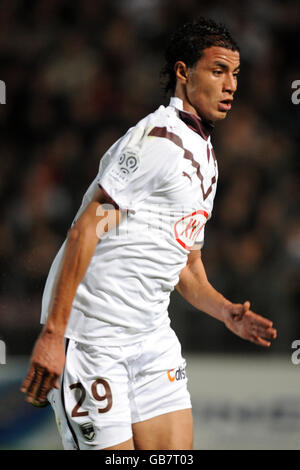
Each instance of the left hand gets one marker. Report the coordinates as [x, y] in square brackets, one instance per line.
[248, 325]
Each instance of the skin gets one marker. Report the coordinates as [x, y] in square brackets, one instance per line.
[194, 286]
[48, 357]
[212, 79]
[202, 88]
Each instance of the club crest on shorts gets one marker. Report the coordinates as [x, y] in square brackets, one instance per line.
[88, 431]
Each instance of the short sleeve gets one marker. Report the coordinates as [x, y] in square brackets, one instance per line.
[200, 235]
[135, 167]
[199, 242]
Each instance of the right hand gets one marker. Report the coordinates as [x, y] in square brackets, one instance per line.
[46, 365]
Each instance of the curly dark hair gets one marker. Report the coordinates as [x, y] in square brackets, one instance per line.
[187, 44]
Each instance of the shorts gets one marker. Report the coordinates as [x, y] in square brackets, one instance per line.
[104, 390]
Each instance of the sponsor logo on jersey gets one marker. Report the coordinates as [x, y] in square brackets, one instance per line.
[178, 374]
[88, 431]
[188, 228]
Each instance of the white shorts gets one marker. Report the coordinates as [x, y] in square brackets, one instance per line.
[105, 389]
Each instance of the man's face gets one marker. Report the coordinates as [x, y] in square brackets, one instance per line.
[212, 82]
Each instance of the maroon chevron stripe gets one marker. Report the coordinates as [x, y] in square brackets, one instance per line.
[164, 133]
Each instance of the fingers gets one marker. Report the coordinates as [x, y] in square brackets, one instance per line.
[260, 341]
[269, 333]
[261, 336]
[262, 329]
[266, 333]
[257, 320]
[261, 321]
[27, 380]
[262, 333]
[37, 385]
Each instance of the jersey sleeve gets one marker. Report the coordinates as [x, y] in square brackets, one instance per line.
[200, 238]
[135, 167]
[199, 242]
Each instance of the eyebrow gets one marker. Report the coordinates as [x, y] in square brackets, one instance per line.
[225, 66]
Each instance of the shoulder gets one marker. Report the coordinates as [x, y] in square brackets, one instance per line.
[163, 129]
[152, 138]
[162, 117]
[158, 145]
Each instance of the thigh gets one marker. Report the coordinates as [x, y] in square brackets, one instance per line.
[159, 398]
[127, 445]
[170, 431]
[92, 407]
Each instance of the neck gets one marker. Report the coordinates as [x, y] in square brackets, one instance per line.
[196, 124]
[180, 92]
[187, 105]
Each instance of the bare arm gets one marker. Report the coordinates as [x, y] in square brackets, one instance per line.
[195, 288]
[81, 244]
[48, 357]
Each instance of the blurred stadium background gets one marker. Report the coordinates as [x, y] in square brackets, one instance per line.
[77, 75]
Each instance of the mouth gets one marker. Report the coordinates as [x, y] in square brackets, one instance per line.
[225, 105]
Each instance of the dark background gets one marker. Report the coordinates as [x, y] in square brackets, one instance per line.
[78, 74]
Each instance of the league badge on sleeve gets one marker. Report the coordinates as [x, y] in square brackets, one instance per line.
[126, 166]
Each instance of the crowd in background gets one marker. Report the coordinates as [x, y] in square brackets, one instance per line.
[78, 75]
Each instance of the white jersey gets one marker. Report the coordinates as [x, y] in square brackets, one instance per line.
[162, 174]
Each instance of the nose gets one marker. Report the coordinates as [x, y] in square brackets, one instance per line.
[230, 83]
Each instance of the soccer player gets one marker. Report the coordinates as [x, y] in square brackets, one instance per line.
[107, 359]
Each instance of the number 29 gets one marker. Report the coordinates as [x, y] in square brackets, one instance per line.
[94, 389]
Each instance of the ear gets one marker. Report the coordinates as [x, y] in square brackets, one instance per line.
[180, 69]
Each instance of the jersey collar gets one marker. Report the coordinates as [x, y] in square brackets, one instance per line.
[193, 122]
